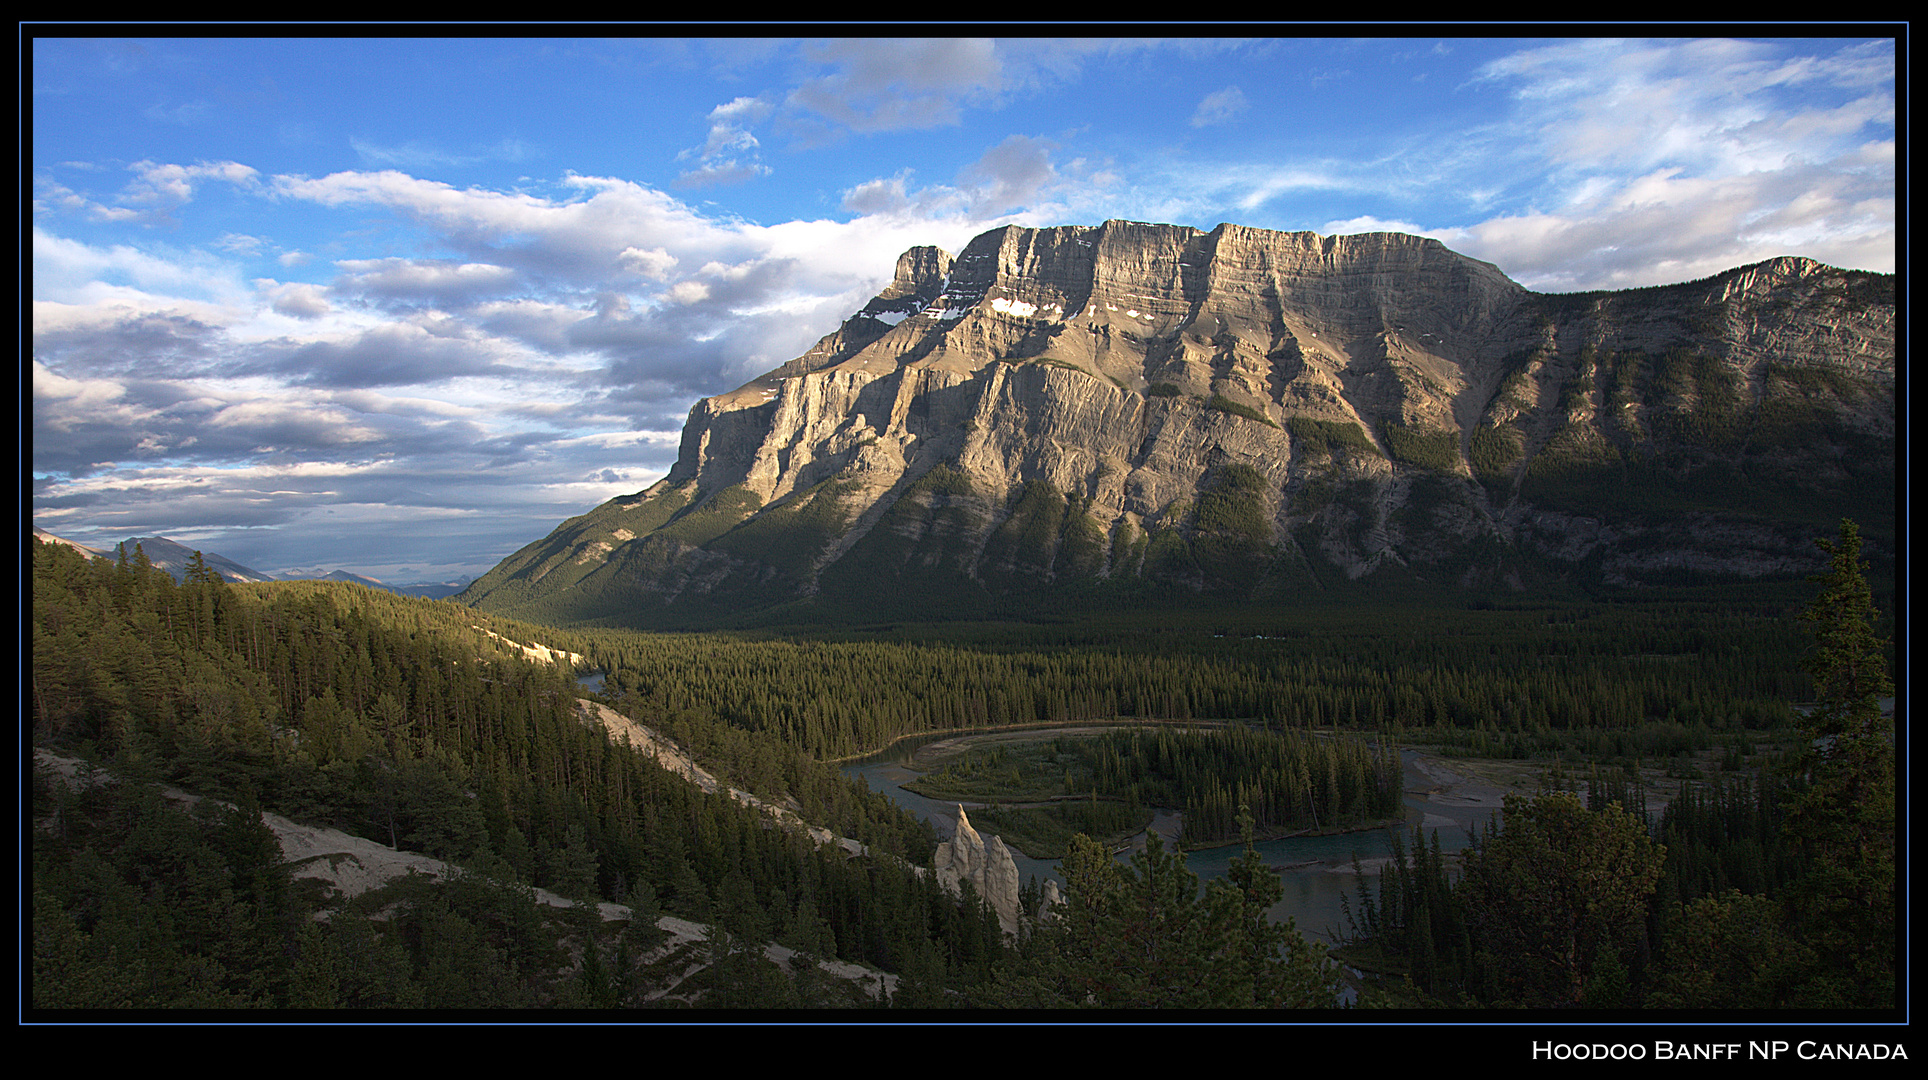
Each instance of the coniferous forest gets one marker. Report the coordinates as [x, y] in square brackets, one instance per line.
[401, 721]
[1770, 892]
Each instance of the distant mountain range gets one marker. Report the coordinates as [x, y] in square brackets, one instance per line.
[173, 557]
[1145, 412]
[434, 590]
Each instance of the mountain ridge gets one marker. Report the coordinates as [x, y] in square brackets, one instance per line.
[173, 557]
[1239, 410]
[165, 554]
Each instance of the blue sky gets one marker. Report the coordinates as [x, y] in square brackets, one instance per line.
[401, 306]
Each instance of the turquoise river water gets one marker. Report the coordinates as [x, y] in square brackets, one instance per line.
[1316, 870]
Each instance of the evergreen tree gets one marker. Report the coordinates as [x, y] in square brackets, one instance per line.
[644, 914]
[1558, 889]
[1143, 936]
[316, 981]
[1843, 825]
[1280, 967]
[1134, 936]
[1726, 952]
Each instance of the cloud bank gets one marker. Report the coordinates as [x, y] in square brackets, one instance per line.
[410, 352]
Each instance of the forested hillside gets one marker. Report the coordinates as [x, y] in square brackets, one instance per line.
[394, 719]
[1619, 678]
[1771, 892]
[418, 724]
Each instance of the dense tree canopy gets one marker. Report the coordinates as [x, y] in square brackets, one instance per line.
[1843, 823]
[1143, 936]
[400, 721]
[1557, 892]
[1770, 890]
[403, 721]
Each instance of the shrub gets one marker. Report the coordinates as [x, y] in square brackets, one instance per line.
[1227, 405]
[1436, 450]
[1320, 437]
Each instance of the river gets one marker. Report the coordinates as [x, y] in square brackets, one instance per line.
[1316, 870]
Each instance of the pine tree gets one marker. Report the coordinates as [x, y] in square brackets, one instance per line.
[1849, 666]
[1843, 824]
[1280, 967]
[1555, 888]
[1143, 936]
[1135, 937]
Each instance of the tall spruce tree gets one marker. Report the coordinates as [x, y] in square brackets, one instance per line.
[1843, 825]
[1273, 966]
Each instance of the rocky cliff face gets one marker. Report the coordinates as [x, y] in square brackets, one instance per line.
[986, 864]
[1249, 412]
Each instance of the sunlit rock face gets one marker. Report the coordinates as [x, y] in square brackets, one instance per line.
[985, 863]
[1249, 413]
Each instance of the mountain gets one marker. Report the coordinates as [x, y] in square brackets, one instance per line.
[319, 574]
[429, 590]
[162, 553]
[432, 590]
[167, 555]
[46, 537]
[1135, 410]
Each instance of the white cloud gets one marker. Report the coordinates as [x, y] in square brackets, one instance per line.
[418, 155]
[880, 196]
[740, 110]
[899, 84]
[1264, 185]
[282, 420]
[239, 243]
[1220, 107]
[1669, 160]
[654, 264]
[722, 172]
[728, 155]
[541, 325]
[1715, 108]
[1352, 226]
[369, 401]
[297, 300]
[72, 401]
[905, 84]
[1665, 227]
[160, 188]
[612, 440]
[1011, 174]
[576, 239]
[729, 131]
[443, 282]
[72, 271]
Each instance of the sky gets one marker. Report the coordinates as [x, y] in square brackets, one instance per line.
[401, 306]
